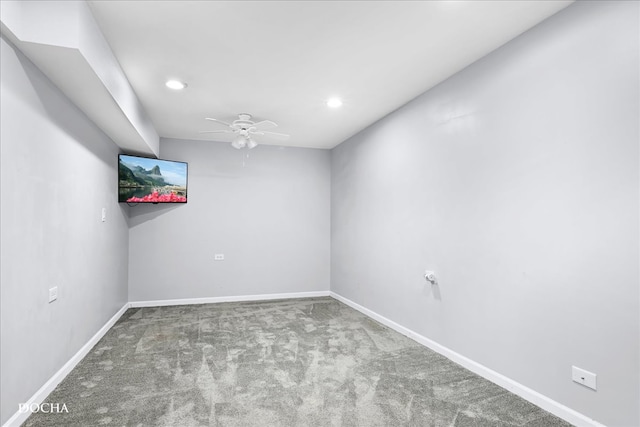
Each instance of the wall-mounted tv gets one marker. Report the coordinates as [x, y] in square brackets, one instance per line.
[146, 180]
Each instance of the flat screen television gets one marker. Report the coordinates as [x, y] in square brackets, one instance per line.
[146, 180]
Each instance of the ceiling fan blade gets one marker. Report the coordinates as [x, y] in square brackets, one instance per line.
[216, 131]
[265, 124]
[218, 121]
[273, 134]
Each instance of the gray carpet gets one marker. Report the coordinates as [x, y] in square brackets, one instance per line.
[306, 362]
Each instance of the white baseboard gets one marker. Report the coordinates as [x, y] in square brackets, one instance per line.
[526, 393]
[19, 417]
[238, 298]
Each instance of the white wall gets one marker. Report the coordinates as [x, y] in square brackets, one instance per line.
[517, 181]
[270, 218]
[57, 172]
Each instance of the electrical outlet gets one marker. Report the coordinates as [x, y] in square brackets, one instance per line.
[53, 294]
[218, 257]
[585, 378]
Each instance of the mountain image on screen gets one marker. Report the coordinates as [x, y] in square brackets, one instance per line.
[137, 175]
[140, 185]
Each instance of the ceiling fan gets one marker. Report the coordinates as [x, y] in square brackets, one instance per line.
[245, 129]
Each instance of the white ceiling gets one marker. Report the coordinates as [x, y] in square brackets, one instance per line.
[281, 60]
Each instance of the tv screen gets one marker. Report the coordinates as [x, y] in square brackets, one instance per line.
[145, 180]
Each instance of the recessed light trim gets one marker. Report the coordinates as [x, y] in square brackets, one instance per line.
[334, 102]
[175, 84]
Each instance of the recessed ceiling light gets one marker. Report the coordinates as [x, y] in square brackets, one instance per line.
[175, 84]
[334, 102]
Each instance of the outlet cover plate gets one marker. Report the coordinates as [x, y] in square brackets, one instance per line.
[585, 378]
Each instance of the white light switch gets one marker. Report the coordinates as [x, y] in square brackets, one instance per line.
[586, 378]
[104, 214]
[218, 257]
[53, 294]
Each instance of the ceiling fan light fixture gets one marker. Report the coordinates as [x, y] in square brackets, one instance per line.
[334, 102]
[175, 84]
[251, 143]
[239, 142]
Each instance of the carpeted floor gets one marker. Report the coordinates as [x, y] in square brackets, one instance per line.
[306, 362]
